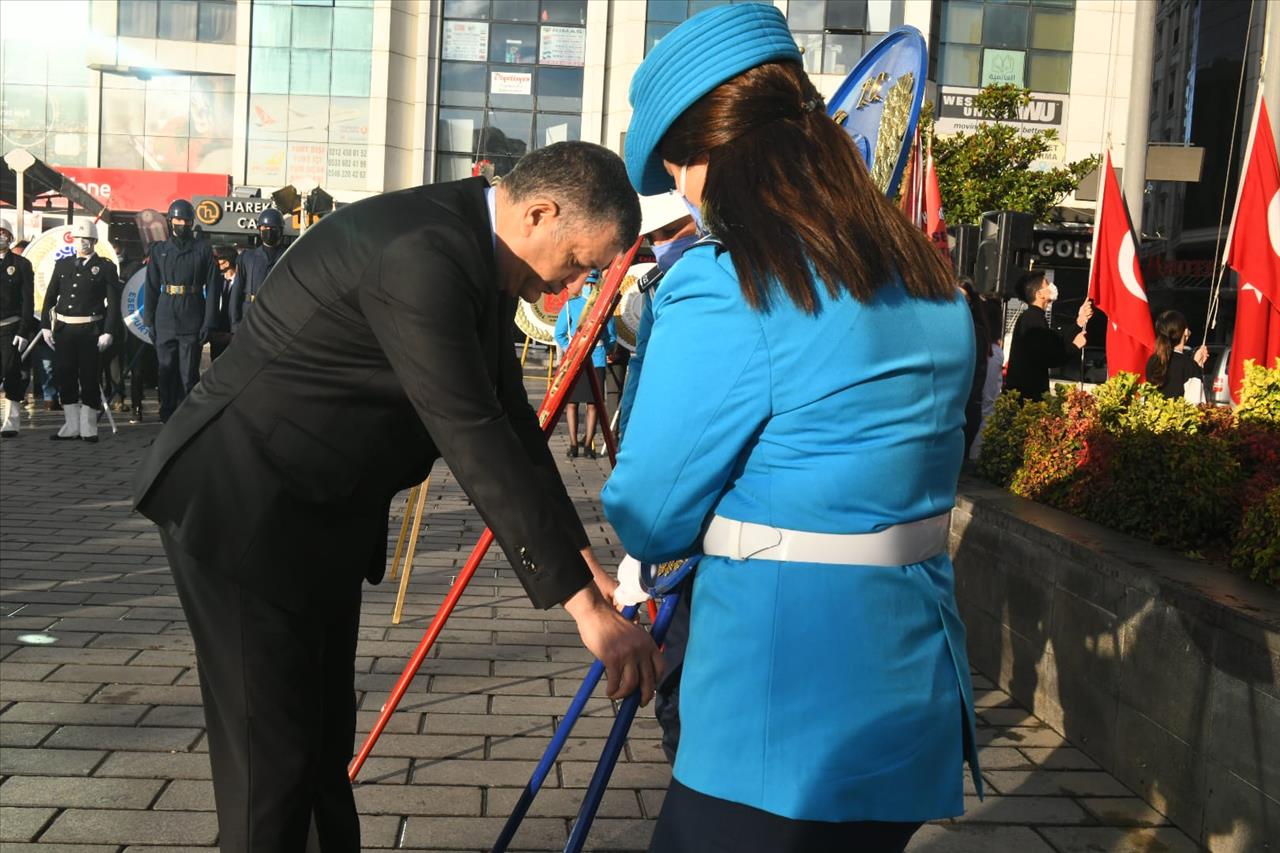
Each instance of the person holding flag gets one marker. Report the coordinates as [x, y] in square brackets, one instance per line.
[1035, 347]
[1115, 283]
[1253, 251]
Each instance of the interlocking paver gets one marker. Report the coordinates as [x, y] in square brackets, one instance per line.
[109, 750]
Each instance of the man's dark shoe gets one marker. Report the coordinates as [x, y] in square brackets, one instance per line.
[136, 417]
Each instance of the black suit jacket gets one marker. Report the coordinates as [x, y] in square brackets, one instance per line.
[382, 344]
[1034, 348]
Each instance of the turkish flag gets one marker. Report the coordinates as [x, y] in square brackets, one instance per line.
[935, 224]
[1115, 283]
[1253, 251]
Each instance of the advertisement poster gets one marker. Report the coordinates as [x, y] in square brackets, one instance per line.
[266, 163]
[466, 40]
[510, 83]
[563, 46]
[307, 164]
[1003, 67]
[348, 165]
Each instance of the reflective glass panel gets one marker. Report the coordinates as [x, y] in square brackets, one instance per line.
[654, 33]
[212, 106]
[179, 20]
[452, 167]
[847, 15]
[466, 8]
[123, 110]
[556, 128]
[265, 164]
[168, 113]
[67, 149]
[165, 153]
[136, 18]
[507, 133]
[209, 155]
[268, 116]
[458, 130]
[1052, 29]
[349, 120]
[960, 65]
[68, 108]
[805, 14]
[269, 70]
[560, 89]
[696, 6]
[309, 72]
[23, 107]
[352, 70]
[515, 10]
[811, 51]
[312, 27]
[962, 22]
[271, 25]
[667, 10]
[564, 12]
[308, 118]
[24, 62]
[1049, 72]
[879, 16]
[840, 53]
[513, 43]
[1004, 26]
[353, 29]
[120, 152]
[217, 22]
[463, 84]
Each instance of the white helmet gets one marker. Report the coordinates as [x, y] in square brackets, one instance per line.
[7, 226]
[84, 230]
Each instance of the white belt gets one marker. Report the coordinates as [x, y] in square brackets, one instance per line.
[74, 321]
[7, 320]
[899, 545]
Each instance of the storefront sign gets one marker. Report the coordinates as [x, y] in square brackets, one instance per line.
[466, 40]
[1003, 67]
[1063, 249]
[234, 215]
[563, 46]
[139, 189]
[510, 83]
[956, 113]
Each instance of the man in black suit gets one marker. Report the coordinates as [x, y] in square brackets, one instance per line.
[1035, 347]
[385, 343]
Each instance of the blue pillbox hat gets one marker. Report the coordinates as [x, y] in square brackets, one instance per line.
[694, 58]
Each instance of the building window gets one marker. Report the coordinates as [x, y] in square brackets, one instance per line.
[310, 78]
[1027, 43]
[170, 123]
[181, 20]
[834, 34]
[510, 81]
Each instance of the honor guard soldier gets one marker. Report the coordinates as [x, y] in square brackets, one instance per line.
[255, 264]
[81, 317]
[180, 271]
[17, 325]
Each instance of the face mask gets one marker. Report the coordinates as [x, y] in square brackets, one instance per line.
[84, 246]
[694, 211]
[270, 237]
[668, 253]
[4, 242]
[1053, 292]
[182, 231]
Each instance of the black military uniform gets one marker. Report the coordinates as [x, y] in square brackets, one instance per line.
[255, 264]
[80, 305]
[17, 319]
[179, 272]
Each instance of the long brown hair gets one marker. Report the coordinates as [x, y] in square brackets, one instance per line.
[786, 189]
[1171, 325]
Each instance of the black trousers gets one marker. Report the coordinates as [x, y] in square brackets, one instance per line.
[11, 364]
[179, 360]
[278, 688]
[76, 363]
[142, 369]
[666, 699]
[691, 822]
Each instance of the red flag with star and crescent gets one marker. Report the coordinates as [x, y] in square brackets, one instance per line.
[1115, 283]
[1253, 251]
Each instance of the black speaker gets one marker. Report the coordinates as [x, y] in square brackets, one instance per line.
[964, 249]
[1005, 241]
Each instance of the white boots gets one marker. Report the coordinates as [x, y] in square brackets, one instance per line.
[71, 429]
[88, 424]
[8, 418]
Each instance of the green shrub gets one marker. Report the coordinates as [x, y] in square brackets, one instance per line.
[1257, 547]
[1124, 403]
[1061, 454]
[1260, 395]
[1005, 433]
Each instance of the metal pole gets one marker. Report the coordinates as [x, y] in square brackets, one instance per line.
[1136, 134]
[1271, 65]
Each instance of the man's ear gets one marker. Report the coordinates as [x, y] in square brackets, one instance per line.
[539, 211]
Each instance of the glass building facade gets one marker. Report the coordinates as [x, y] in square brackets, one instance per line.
[511, 77]
[1022, 42]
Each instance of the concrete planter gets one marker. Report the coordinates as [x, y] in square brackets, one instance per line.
[1164, 671]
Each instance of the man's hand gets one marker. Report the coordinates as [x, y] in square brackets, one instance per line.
[1201, 355]
[1078, 341]
[605, 582]
[47, 334]
[1083, 315]
[630, 658]
[20, 343]
[104, 341]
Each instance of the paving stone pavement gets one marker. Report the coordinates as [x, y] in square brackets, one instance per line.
[102, 745]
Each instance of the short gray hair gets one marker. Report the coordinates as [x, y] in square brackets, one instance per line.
[589, 181]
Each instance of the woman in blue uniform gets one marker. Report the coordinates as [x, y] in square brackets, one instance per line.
[799, 421]
[566, 325]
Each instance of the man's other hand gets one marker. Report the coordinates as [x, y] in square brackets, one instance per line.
[605, 582]
[630, 658]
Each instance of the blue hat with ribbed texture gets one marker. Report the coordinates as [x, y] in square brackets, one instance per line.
[700, 54]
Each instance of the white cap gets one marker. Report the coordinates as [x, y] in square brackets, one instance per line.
[84, 229]
[658, 211]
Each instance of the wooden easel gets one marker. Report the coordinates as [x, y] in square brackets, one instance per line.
[414, 506]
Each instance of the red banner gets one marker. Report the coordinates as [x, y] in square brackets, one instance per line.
[139, 189]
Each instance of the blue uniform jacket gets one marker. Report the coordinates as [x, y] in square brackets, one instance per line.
[251, 274]
[182, 263]
[812, 691]
[567, 324]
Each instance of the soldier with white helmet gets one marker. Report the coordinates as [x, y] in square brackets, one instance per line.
[17, 325]
[81, 317]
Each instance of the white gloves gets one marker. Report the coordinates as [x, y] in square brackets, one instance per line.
[20, 343]
[48, 337]
[104, 341]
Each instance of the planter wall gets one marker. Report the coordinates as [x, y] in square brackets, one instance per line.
[1163, 670]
